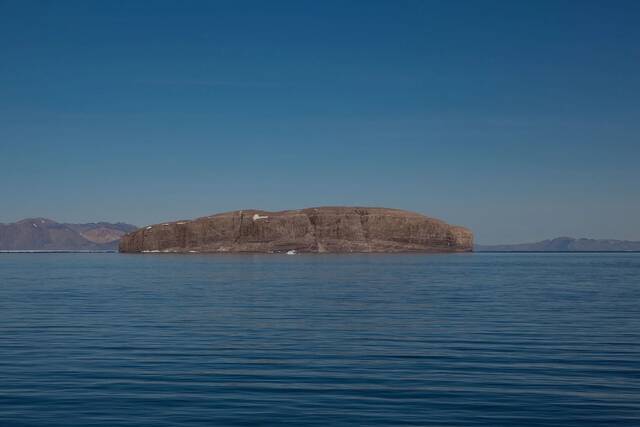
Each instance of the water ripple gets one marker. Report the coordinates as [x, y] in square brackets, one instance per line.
[453, 340]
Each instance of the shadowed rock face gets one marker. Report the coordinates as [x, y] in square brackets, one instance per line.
[327, 229]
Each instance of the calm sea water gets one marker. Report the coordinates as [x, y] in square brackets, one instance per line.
[169, 340]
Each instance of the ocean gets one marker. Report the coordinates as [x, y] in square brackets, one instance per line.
[205, 340]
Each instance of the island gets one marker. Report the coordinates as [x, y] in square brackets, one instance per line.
[312, 230]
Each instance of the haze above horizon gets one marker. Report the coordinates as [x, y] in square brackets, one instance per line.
[519, 121]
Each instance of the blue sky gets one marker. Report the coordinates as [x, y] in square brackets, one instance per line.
[520, 120]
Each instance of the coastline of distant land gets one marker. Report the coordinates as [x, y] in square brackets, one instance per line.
[45, 235]
[565, 244]
[53, 251]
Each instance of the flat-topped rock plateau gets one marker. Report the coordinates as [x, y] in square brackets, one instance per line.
[317, 230]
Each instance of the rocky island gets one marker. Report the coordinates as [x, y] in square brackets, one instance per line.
[323, 229]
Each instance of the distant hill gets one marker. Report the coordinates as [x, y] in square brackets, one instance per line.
[45, 234]
[565, 244]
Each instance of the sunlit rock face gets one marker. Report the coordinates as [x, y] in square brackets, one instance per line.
[323, 229]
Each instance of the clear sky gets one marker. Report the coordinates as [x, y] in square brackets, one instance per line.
[520, 120]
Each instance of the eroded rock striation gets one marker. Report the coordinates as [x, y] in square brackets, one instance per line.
[325, 229]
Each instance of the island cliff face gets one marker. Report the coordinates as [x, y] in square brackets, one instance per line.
[325, 229]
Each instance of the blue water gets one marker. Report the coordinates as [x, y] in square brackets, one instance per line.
[170, 340]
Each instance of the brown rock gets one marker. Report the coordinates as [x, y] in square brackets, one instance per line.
[326, 229]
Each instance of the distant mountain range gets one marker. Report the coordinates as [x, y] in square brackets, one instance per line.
[565, 244]
[41, 234]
